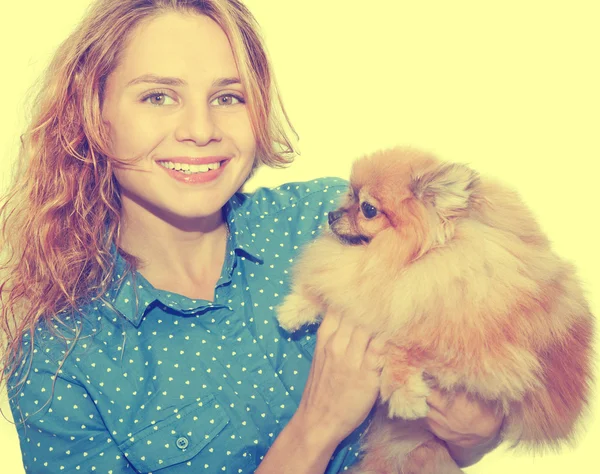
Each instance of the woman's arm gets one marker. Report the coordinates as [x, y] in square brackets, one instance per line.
[342, 387]
[298, 451]
[60, 429]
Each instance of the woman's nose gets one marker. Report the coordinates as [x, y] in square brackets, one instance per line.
[196, 124]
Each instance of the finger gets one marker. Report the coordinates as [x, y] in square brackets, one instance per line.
[445, 428]
[333, 316]
[377, 345]
[357, 347]
[437, 425]
[438, 400]
[340, 339]
[375, 355]
[328, 327]
[446, 434]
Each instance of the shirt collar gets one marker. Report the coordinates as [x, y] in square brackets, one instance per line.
[132, 295]
[238, 220]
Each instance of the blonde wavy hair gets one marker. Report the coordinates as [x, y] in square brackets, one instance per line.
[62, 212]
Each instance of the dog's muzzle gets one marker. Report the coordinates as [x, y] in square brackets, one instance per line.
[334, 216]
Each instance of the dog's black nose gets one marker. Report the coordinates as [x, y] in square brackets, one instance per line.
[334, 216]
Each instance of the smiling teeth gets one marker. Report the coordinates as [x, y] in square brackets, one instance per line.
[189, 169]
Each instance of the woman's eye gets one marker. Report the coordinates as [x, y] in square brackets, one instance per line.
[158, 99]
[368, 211]
[228, 99]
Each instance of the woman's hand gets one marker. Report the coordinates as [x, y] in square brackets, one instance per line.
[343, 383]
[470, 427]
[342, 387]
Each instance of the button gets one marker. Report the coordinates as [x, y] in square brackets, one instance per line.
[182, 442]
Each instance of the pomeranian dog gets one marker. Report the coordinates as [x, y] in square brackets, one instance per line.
[454, 272]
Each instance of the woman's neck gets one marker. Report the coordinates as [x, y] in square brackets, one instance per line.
[184, 258]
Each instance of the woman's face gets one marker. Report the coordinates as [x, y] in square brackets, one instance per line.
[175, 100]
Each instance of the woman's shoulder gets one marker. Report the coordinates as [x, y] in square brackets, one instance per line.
[57, 345]
[316, 195]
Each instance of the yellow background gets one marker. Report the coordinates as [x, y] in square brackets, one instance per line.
[510, 87]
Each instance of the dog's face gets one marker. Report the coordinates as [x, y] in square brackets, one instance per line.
[404, 192]
[360, 218]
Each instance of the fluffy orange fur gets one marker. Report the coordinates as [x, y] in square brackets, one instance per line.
[453, 270]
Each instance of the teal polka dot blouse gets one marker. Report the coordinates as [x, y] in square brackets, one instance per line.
[160, 383]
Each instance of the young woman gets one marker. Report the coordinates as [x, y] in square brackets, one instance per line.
[141, 290]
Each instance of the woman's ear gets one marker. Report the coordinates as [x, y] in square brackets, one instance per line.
[446, 187]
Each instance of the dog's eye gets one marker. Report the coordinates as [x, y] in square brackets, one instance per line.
[368, 211]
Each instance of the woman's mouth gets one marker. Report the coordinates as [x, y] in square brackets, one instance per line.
[188, 168]
[194, 171]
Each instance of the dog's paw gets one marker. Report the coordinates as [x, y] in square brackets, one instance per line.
[410, 400]
[399, 407]
[287, 315]
[295, 312]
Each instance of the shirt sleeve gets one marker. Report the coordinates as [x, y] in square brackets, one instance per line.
[60, 429]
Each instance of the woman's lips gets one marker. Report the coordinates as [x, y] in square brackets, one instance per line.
[195, 177]
[205, 160]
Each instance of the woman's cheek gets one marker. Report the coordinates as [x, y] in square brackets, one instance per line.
[138, 138]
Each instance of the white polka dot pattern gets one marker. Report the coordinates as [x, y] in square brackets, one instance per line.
[175, 385]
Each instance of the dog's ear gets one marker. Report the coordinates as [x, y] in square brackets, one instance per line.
[447, 187]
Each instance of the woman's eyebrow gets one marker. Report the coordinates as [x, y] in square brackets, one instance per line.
[226, 81]
[154, 79]
[175, 81]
